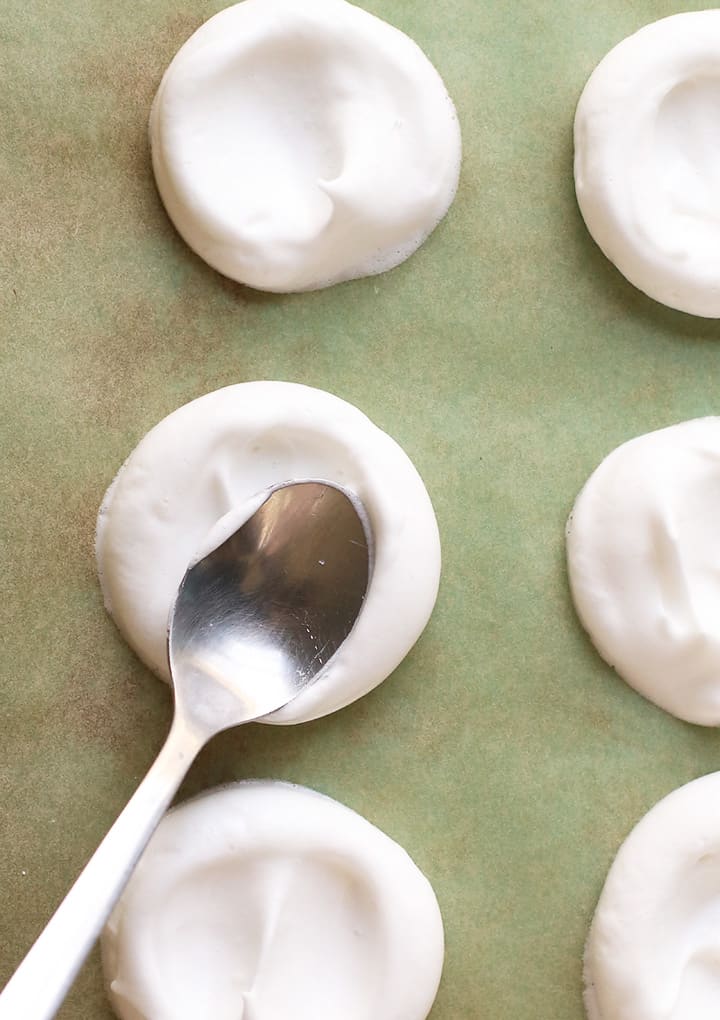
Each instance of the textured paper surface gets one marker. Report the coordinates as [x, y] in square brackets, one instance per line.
[507, 357]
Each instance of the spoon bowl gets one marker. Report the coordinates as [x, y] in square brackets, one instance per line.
[258, 617]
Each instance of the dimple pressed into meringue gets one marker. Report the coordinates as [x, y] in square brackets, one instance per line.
[653, 952]
[647, 160]
[296, 145]
[267, 901]
[215, 453]
[643, 547]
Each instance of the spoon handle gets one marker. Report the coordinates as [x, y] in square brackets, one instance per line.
[41, 982]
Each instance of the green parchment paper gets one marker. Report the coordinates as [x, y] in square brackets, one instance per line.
[507, 357]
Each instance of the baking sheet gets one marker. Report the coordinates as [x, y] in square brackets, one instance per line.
[506, 356]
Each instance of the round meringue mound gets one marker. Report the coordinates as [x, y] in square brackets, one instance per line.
[210, 457]
[297, 145]
[647, 160]
[643, 547]
[653, 952]
[268, 900]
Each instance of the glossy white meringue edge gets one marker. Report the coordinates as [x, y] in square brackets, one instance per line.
[220, 450]
[259, 874]
[643, 554]
[653, 945]
[393, 184]
[648, 225]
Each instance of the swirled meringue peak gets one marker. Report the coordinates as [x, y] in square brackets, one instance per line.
[265, 901]
[297, 145]
[647, 160]
[654, 946]
[643, 546]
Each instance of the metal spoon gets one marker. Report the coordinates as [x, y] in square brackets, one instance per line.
[254, 623]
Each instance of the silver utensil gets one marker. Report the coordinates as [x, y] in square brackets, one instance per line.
[256, 620]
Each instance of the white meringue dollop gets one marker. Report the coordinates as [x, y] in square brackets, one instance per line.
[653, 952]
[647, 160]
[643, 546]
[297, 145]
[264, 901]
[212, 456]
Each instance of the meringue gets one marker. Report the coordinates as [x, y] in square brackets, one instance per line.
[643, 547]
[653, 952]
[211, 457]
[296, 145]
[647, 138]
[264, 901]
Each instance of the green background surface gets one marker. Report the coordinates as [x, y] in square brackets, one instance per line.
[506, 356]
